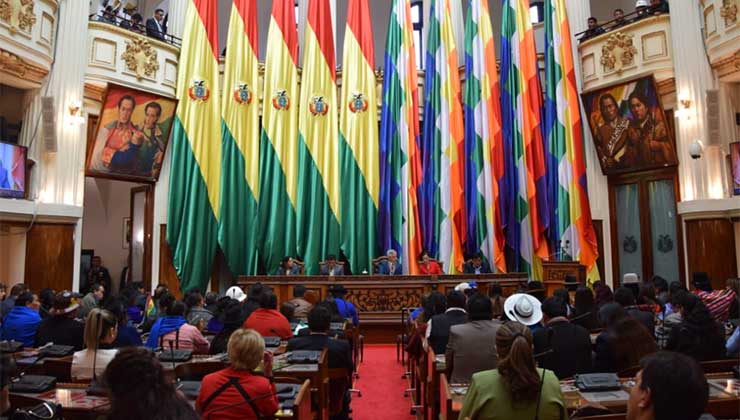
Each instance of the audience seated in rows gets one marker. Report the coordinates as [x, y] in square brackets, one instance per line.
[101, 329]
[670, 386]
[495, 292]
[62, 327]
[668, 318]
[9, 302]
[237, 392]
[464, 353]
[390, 265]
[584, 309]
[697, 335]
[623, 342]
[287, 309]
[516, 389]
[565, 347]
[22, 322]
[172, 331]
[477, 265]
[139, 389]
[46, 300]
[718, 302]
[438, 327]
[302, 306]
[345, 308]
[432, 304]
[428, 265]
[626, 298]
[267, 320]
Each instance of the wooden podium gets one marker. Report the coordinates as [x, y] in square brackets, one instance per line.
[554, 273]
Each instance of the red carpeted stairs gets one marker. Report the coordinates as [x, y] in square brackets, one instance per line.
[381, 386]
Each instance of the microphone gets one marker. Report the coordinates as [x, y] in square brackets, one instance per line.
[544, 353]
[95, 388]
[172, 355]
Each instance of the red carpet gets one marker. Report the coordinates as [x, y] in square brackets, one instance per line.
[381, 386]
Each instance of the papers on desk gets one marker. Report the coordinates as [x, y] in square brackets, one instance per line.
[605, 396]
[302, 367]
[724, 388]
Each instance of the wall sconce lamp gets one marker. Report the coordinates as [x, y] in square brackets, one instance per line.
[75, 116]
[684, 108]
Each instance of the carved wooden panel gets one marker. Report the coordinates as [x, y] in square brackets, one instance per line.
[385, 300]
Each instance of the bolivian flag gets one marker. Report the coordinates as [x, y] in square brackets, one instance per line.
[237, 231]
[279, 140]
[358, 147]
[195, 175]
[318, 155]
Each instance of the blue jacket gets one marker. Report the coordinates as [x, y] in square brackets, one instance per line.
[127, 337]
[163, 326]
[20, 324]
[347, 310]
[385, 268]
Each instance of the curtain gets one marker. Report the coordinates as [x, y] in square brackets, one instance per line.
[663, 229]
[628, 230]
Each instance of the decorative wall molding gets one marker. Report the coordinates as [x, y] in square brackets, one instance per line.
[19, 14]
[722, 37]
[13, 66]
[141, 58]
[617, 52]
[729, 12]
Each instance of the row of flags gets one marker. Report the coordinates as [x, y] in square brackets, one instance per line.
[494, 168]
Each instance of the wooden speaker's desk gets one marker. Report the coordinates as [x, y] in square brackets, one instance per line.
[379, 299]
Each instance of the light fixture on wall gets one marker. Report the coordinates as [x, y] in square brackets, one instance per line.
[684, 108]
[75, 116]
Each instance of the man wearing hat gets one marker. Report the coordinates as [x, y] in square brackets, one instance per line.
[523, 308]
[62, 327]
[346, 309]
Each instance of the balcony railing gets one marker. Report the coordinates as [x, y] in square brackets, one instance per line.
[629, 51]
[27, 41]
[122, 56]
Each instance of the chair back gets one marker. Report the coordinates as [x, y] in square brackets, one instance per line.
[301, 265]
[59, 368]
[377, 261]
[195, 371]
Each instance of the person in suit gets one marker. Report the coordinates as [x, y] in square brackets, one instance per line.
[155, 25]
[464, 354]
[570, 343]
[477, 265]
[626, 298]
[331, 268]
[339, 353]
[390, 266]
[438, 328]
[288, 267]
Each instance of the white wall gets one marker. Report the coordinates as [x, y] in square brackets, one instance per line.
[107, 203]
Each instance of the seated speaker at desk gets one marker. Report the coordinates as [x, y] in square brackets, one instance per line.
[331, 267]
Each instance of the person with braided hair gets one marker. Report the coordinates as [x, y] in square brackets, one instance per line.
[516, 389]
[139, 389]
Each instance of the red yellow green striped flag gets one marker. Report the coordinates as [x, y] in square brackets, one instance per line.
[318, 208]
[278, 143]
[240, 141]
[358, 146]
[195, 174]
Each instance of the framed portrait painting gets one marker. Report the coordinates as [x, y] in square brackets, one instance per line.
[131, 136]
[629, 127]
[735, 165]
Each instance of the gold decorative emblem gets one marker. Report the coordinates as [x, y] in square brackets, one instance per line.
[242, 94]
[617, 52]
[199, 91]
[18, 13]
[281, 100]
[358, 103]
[140, 57]
[729, 12]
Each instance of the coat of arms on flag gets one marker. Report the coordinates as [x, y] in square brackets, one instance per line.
[199, 91]
[242, 94]
[358, 103]
[281, 100]
[318, 106]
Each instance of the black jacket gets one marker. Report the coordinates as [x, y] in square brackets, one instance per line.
[485, 268]
[440, 333]
[588, 320]
[702, 343]
[571, 345]
[339, 350]
[152, 30]
[646, 318]
[61, 330]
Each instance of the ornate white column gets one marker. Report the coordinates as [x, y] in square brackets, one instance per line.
[176, 17]
[693, 78]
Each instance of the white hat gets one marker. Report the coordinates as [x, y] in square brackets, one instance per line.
[630, 278]
[523, 308]
[236, 292]
[642, 3]
[462, 287]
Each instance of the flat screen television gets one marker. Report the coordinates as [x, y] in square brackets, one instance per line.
[12, 170]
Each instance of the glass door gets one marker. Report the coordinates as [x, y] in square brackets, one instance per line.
[629, 240]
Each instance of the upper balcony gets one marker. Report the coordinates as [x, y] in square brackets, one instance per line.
[722, 37]
[628, 51]
[27, 41]
[125, 57]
